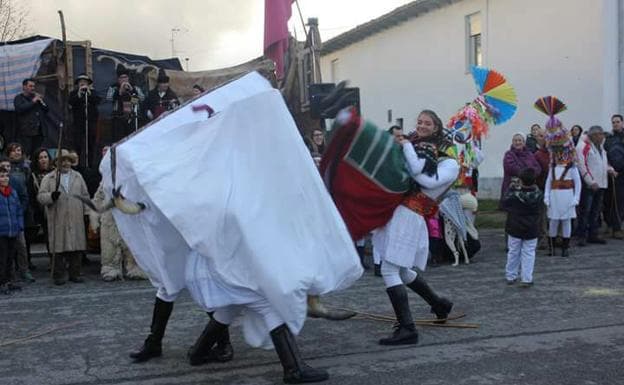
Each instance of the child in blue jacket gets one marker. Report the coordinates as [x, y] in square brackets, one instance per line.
[11, 224]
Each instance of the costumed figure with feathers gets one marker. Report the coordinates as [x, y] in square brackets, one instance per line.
[495, 104]
[562, 191]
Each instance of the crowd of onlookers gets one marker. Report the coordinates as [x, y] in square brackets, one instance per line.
[576, 196]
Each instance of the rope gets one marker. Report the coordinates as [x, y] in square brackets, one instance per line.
[420, 322]
[32, 336]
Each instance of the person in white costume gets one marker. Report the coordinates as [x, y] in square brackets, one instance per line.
[403, 242]
[562, 191]
[227, 218]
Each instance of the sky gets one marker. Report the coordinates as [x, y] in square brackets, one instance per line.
[210, 33]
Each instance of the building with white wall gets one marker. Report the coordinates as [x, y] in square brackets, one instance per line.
[418, 57]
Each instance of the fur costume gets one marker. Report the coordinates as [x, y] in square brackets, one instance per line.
[115, 254]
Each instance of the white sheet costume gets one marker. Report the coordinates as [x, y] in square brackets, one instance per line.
[564, 195]
[236, 210]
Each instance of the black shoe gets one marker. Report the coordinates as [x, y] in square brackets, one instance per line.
[440, 306]
[4, 289]
[14, 287]
[377, 270]
[362, 254]
[59, 281]
[405, 332]
[551, 246]
[596, 240]
[199, 353]
[565, 244]
[152, 347]
[296, 371]
[76, 279]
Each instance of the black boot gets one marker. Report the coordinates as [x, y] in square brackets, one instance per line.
[405, 333]
[378, 269]
[296, 371]
[551, 246]
[565, 244]
[200, 352]
[223, 351]
[362, 254]
[440, 306]
[152, 346]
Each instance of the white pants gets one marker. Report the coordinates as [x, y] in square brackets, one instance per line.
[520, 257]
[566, 227]
[226, 315]
[394, 275]
[167, 297]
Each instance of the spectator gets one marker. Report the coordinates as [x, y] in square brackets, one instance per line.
[19, 175]
[125, 99]
[397, 132]
[594, 168]
[531, 139]
[523, 203]
[516, 159]
[41, 166]
[30, 110]
[65, 217]
[198, 90]
[318, 141]
[11, 225]
[614, 195]
[576, 131]
[161, 98]
[83, 102]
[543, 158]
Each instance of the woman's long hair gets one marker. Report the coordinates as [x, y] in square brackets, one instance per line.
[34, 165]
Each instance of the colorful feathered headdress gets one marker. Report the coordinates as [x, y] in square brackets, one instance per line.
[496, 103]
[551, 106]
[558, 141]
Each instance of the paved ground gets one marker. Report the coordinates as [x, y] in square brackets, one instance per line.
[567, 329]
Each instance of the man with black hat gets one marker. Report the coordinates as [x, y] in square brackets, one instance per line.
[161, 98]
[126, 99]
[83, 102]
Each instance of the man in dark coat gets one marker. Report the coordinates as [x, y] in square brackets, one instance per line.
[126, 99]
[83, 102]
[614, 196]
[30, 109]
[161, 98]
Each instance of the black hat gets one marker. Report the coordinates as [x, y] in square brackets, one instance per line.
[162, 77]
[121, 70]
[83, 77]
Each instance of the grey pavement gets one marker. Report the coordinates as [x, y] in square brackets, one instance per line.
[567, 329]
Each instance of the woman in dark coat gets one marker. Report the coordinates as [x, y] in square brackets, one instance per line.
[517, 158]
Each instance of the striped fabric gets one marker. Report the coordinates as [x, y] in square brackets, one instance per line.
[375, 154]
[18, 62]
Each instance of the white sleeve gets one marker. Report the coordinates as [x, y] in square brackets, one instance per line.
[548, 186]
[448, 171]
[414, 163]
[576, 177]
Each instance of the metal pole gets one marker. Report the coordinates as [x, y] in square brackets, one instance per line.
[86, 149]
[305, 30]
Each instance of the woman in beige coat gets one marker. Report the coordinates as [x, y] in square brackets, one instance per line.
[66, 230]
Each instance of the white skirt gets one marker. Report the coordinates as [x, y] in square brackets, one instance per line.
[561, 204]
[404, 240]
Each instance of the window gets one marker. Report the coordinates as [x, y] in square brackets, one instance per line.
[334, 71]
[473, 40]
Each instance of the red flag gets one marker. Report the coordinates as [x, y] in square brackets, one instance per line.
[276, 15]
